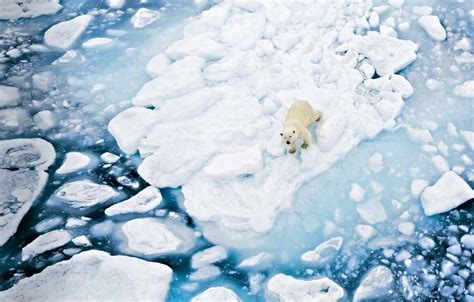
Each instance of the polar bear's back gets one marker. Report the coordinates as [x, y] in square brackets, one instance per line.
[302, 112]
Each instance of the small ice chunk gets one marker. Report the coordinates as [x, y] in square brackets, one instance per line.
[48, 224]
[427, 243]
[432, 26]
[73, 222]
[13, 9]
[396, 3]
[97, 43]
[451, 130]
[406, 228]
[199, 46]
[83, 194]
[217, 294]
[145, 201]
[374, 19]
[372, 211]
[429, 125]
[468, 241]
[447, 193]
[440, 163]
[45, 242]
[64, 34]
[144, 17]
[154, 237]
[330, 131]
[205, 272]
[73, 162]
[357, 193]
[258, 261]
[82, 241]
[95, 276]
[43, 81]
[447, 268]
[287, 288]
[417, 186]
[376, 162]
[376, 284]
[455, 249]
[365, 231]
[44, 120]
[465, 90]
[324, 251]
[464, 44]
[115, 4]
[9, 96]
[419, 135]
[109, 158]
[402, 256]
[208, 256]
[433, 84]
[230, 165]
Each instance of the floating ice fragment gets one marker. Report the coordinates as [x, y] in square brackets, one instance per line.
[83, 194]
[82, 241]
[109, 158]
[465, 90]
[144, 17]
[115, 4]
[447, 193]
[63, 35]
[205, 272]
[48, 224]
[74, 161]
[375, 284]
[97, 43]
[95, 276]
[372, 211]
[44, 120]
[286, 288]
[468, 241]
[432, 26]
[376, 162]
[417, 187]
[324, 251]
[357, 193]
[145, 201]
[155, 237]
[208, 256]
[9, 96]
[45, 242]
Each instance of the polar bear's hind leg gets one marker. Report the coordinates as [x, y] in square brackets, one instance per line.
[317, 115]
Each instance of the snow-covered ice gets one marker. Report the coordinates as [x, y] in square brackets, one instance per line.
[144, 201]
[45, 242]
[9, 96]
[73, 162]
[289, 289]
[447, 193]
[63, 35]
[197, 124]
[95, 276]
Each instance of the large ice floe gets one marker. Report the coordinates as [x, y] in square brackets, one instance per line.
[209, 119]
[23, 163]
[95, 276]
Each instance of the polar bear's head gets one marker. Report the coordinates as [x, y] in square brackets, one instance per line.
[289, 134]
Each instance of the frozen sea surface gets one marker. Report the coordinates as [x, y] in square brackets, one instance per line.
[164, 117]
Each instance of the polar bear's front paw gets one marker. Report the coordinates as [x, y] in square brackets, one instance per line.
[291, 151]
[305, 146]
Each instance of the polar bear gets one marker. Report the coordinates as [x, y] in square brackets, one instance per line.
[299, 117]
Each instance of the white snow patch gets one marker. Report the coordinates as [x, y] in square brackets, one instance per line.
[231, 165]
